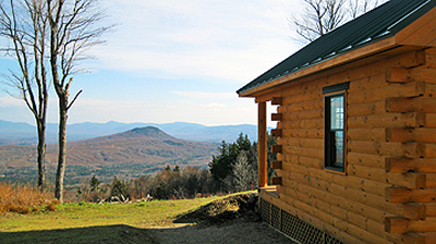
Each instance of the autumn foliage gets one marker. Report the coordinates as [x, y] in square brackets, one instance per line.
[24, 199]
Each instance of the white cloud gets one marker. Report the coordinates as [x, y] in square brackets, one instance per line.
[224, 42]
[10, 101]
[205, 95]
[235, 40]
[214, 106]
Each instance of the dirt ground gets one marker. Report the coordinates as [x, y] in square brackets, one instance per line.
[230, 220]
[235, 231]
[226, 221]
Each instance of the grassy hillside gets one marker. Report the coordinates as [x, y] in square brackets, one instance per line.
[103, 223]
[92, 223]
[130, 154]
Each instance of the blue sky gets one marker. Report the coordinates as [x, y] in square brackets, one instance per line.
[172, 60]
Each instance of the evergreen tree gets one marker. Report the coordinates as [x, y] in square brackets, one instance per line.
[94, 183]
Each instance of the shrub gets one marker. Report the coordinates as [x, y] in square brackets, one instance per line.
[24, 199]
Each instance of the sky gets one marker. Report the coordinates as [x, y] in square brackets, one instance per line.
[171, 60]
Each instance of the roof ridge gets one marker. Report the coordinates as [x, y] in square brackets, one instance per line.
[382, 22]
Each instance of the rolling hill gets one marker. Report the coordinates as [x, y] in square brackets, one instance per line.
[129, 154]
[25, 134]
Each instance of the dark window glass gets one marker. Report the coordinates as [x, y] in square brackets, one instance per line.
[334, 135]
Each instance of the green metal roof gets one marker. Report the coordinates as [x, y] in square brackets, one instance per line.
[382, 22]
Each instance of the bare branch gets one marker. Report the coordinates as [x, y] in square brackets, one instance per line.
[74, 99]
[323, 16]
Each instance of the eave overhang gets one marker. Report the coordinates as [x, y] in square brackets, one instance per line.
[410, 32]
[346, 58]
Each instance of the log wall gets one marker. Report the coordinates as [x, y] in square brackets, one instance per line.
[388, 191]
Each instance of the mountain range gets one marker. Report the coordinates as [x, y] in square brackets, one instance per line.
[130, 154]
[15, 133]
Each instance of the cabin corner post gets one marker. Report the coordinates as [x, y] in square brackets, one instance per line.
[262, 145]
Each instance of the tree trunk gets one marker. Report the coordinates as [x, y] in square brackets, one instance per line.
[41, 149]
[62, 157]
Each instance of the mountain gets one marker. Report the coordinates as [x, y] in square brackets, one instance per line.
[129, 154]
[16, 133]
[25, 134]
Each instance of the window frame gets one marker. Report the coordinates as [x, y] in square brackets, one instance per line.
[340, 90]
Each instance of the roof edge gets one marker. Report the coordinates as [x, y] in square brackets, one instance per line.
[365, 51]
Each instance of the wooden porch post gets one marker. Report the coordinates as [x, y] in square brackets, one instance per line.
[262, 145]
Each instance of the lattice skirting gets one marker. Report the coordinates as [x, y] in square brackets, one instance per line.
[292, 226]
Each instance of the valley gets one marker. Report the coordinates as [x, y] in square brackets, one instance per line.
[131, 154]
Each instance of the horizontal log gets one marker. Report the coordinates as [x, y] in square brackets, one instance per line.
[301, 95]
[430, 209]
[356, 201]
[400, 104]
[406, 210]
[304, 133]
[430, 61]
[304, 124]
[303, 105]
[423, 135]
[276, 165]
[430, 91]
[398, 75]
[410, 89]
[430, 180]
[403, 225]
[430, 237]
[276, 117]
[396, 225]
[411, 119]
[367, 160]
[430, 120]
[407, 75]
[427, 75]
[404, 195]
[276, 133]
[413, 238]
[409, 180]
[368, 82]
[310, 162]
[389, 149]
[304, 151]
[430, 150]
[315, 221]
[404, 165]
[304, 115]
[367, 134]
[332, 215]
[361, 109]
[304, 142]
[322, 179]
[276, 101]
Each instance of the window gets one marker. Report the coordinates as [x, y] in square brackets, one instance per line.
[335, 124]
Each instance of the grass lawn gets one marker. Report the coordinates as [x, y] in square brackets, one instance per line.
[95, 223]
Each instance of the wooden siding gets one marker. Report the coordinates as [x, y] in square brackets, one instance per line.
[388, 194]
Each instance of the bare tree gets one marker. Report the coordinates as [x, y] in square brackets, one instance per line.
[322, 16]
[49, 35]
[24, 26]
[74, 28]
[358, 7]
[244, 174]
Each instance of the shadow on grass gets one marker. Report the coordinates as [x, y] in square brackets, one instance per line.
[223, 210]
[98, 234]
[229, 220]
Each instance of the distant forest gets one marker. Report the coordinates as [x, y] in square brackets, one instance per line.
[233, 169]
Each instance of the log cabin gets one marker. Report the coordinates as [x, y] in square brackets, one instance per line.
[356, 131]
